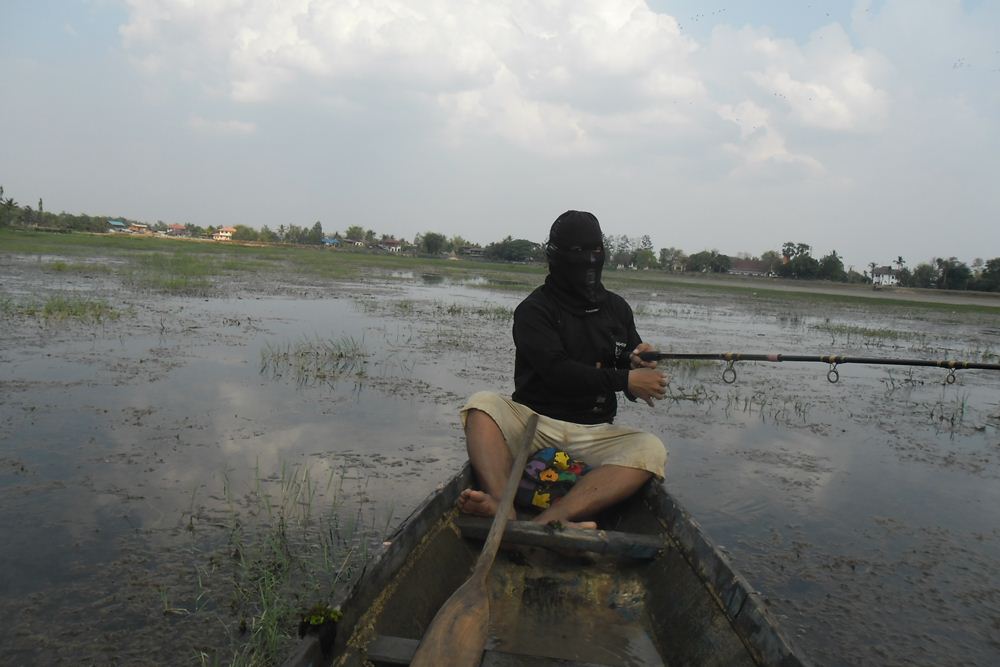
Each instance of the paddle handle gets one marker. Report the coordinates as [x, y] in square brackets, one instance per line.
[495, 536]
[457, 635]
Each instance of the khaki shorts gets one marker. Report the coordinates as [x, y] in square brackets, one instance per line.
[595, 445]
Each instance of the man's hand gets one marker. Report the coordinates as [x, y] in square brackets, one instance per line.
[634, 359]
[647, 384]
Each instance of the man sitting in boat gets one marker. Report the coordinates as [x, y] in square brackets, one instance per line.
[576, 346]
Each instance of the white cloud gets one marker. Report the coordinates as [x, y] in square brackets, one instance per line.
[221, 126]
[824, 83]
[545, 76]
[760, 144]
[835, 118]
[557, 78]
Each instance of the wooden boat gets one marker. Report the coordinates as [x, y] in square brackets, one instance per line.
[647, 589]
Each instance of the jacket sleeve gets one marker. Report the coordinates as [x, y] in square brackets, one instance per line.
[628, 319]
[624, 360]
[536, 337]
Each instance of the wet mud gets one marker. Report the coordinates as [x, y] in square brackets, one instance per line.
[143, 459]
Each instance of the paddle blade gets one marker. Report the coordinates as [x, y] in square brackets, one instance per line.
[457, 635]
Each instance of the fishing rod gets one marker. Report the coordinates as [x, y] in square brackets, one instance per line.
[729, 375]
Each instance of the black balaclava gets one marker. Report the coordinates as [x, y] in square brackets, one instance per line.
[575, 251]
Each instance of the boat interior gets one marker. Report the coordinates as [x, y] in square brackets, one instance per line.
[622, 595]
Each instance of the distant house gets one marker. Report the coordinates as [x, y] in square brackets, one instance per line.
[354, 242]
[748, 267]
[177, 230]
[331, 242]
[390, 245]
[884, 276]
[224, 234]
[117, 226]
[471, 251]
[138, 228]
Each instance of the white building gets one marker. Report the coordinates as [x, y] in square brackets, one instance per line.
[224, 234]
[884, 276]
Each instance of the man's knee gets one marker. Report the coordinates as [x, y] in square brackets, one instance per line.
[481, 404]
[650, 454]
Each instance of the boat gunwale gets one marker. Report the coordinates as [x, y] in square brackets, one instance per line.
[377, 573]
[742, 606]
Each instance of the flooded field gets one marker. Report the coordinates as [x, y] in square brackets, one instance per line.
[164, 460]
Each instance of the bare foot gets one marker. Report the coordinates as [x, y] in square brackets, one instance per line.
[477, 503]
[480, 503]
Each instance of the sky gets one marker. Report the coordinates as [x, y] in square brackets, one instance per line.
[868, 127]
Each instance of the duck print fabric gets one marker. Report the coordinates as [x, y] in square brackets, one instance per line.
[548, 476]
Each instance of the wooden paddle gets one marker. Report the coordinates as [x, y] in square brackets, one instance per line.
[457, 635]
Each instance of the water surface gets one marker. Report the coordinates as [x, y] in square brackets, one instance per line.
[866, 511]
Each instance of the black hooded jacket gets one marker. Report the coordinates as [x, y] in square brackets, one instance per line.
[556, 370]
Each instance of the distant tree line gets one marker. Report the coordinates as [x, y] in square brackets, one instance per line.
[793, 260]
[950, 273]
[14, 214]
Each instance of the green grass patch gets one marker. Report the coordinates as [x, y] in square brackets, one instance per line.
[178, 274]
[488, 312]
[435, 309]
[177, 264]
[864, 332]
[59, 308]
[81, 268]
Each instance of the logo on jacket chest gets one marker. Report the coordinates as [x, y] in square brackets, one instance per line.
[619, 348]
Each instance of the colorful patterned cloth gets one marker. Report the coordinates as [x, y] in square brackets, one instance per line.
[548, 476]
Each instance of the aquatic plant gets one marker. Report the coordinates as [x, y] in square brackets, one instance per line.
[768, 406]
[492, 312]
[898, 379]
[869, 337]
[59, 307]
[287, 551]
[171, 273]
[697, 394]
[950, 414]
[313, 360]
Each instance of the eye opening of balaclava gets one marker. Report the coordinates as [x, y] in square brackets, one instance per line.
[575, 252]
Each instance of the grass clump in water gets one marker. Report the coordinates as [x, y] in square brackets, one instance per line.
[868, 336]
[178, 274]
[85, 268]
[61, 308]
[309, 361]
[487, 312]
[864, 332]
[285, 552]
